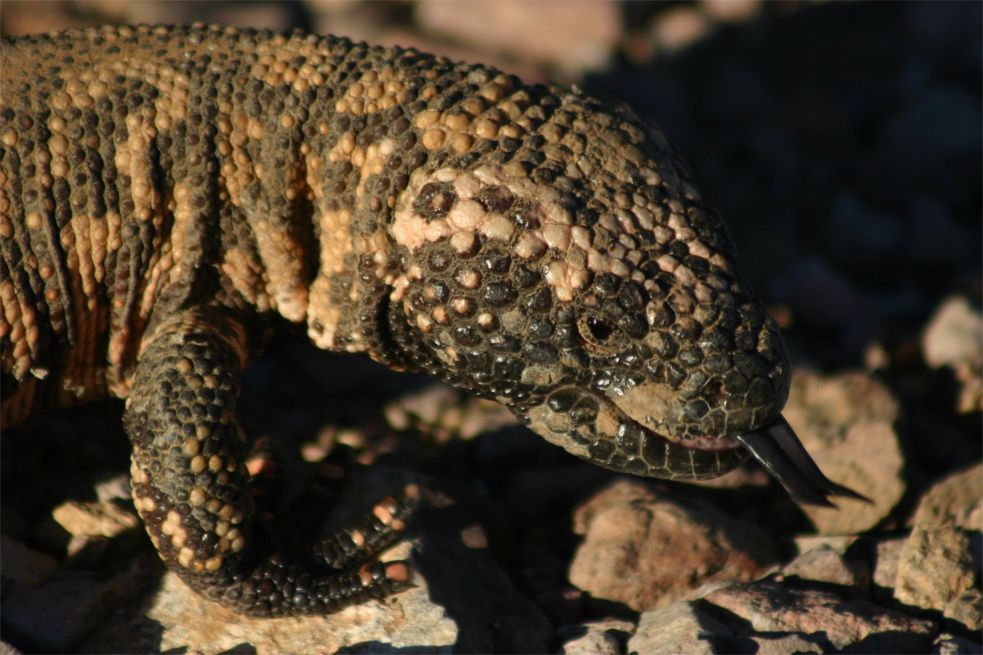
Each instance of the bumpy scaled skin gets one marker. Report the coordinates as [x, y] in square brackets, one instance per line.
[166, 193]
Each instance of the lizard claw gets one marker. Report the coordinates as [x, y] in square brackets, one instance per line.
[362, 540]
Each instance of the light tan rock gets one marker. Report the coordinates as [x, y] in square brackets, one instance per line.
[646, 549]
[935, 566]
[954, 338]
[846, 422]
[769, 607]
[956, 500]
[677, 628]
[580, 35]
[823, 564]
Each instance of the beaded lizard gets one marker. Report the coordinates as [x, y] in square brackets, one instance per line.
[168, 193]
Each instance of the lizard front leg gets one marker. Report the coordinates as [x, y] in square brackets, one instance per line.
[191, 487]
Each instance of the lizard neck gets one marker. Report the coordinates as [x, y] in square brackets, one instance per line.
[310, 169]
[356, 256]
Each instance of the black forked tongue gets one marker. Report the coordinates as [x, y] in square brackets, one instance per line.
[781, 452]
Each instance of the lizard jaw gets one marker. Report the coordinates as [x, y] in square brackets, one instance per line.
[611, 438]
[597, 429]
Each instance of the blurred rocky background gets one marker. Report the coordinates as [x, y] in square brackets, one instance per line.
[842, 143]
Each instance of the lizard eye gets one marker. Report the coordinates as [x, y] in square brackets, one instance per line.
[596, 330]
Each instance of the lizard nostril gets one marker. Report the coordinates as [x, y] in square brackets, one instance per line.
[714, 389]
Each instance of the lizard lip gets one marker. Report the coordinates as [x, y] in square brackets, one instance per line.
[707, 443]
[779, 450]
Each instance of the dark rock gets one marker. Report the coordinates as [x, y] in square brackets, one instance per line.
[937, 132]
[605, 637]
[818, 295]
[21, 564]
[57, 614]
[859, 226]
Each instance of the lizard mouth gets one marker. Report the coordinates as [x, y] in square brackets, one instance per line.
[597, 429]
[604, 434]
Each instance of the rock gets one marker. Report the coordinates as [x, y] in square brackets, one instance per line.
[88, 519]
[444, 413]
[954, 338]
[17, 23]
[677, 628]
[56, 614]
[606, 637]
[581, 35]
[442, 614]
[328, 6]
[942, 121]
[90, 525]
[534, 493]
[858, 225]
[407, 620]
[839, 544]
[679, 26]
[818, 295]
[275, 16]
[857, 624]
[562, 605]
[785, 644]
[939, 27]
[8, 649]
[823, 564]
[743, 477]
[731, 10]
[950, 644]
[933, 237]
[647, 549]
[746, 95]
[924, 138]
[887, 554]
[956, 500]
[21, 564]
[846, 423]
[935, 566]
[116, 488]
[938, 563]
[966, 608]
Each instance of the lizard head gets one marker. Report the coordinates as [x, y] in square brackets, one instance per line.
[578, 278]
